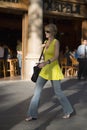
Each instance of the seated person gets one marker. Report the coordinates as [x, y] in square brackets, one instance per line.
[1, 52]
[67, 56]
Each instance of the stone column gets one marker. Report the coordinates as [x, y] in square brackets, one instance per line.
[35, 22]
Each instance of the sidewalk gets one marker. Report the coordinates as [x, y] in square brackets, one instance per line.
[15, 96]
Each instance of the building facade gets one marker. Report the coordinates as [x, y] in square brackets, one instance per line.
[25, 19]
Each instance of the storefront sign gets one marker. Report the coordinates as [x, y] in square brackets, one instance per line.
[15, 1]
[64, 7]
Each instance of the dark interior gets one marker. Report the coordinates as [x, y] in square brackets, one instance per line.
[10, 29]
[69, 30]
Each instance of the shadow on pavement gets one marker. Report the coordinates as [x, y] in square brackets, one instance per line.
[77, 91]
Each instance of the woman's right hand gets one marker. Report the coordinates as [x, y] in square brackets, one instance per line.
[41, 65]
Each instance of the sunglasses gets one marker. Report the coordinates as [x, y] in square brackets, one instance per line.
[47, 31]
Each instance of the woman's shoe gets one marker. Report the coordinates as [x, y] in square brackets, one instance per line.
[66, 116]
[30, 118]
[69, 115]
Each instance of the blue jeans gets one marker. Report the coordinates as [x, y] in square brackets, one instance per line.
[34, 104]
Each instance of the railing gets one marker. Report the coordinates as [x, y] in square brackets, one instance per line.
[14, 1]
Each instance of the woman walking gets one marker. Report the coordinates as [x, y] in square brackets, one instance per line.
[50, 71]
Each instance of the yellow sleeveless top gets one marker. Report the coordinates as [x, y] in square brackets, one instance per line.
[51, 71]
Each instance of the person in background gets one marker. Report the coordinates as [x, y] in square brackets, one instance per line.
[2, 57]
[82, 58]
[1, 51]
[74, 54]
[6, 52]
[67, 55]
[50, 71]
[19, 55]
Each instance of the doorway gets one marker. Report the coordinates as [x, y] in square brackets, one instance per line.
[10, 34]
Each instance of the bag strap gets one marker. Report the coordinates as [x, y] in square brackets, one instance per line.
[41, 54]
[42, 51]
